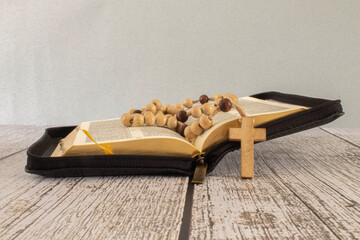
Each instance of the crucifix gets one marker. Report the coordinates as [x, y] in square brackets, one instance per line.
[247, 134]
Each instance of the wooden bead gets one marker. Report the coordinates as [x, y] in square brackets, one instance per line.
[144, 113]
[126, 119]
[236, 99]
[160, 120]
[227, 95]
[166, 107]
[196, 112]
[196, 128]
[218, 96]
[158, 112]
[137, 111]
[189, 135]
[205, 122]
[168, 115]
[138, 120]
[188, 103]
[172, 110]
[162, 109]
[149, 119]
[181, 128]
[216, 101]
[157, 103]
[232, 97]
[179, 106]
[131, 111]
[203, 99]
[207, 108]
[225, 105]
[181, 116]
[151, 107]
[172, 122]
[177, 110]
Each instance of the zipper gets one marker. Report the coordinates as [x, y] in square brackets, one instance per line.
[202, 165]
[200, 169]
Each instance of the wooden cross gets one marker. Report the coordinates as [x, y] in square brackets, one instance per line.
[247, 134]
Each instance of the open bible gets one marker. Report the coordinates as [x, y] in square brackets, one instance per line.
[161, 141]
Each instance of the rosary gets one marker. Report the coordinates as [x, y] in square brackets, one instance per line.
[174, 117]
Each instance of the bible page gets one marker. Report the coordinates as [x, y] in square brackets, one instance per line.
[112, 130]
[252, 107]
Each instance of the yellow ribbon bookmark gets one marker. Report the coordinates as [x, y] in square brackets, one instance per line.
[106, 150]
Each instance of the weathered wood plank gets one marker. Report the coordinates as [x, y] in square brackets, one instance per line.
[327, 158]
[305, 186]
[349, 134]
[227, 207]
[307, 183]
[17, 137]
[129, 207]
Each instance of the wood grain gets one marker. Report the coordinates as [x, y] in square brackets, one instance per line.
[130, 207]
[349, 134]
[305, 187]
[17, 137]
[247, 134]
[324, 173]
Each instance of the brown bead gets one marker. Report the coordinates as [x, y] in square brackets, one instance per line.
[181, 128]
[196, 128]
[179, 106]
[196, 112]
[203, 99]
[181, 116]
[149, 119]
[126, 119]
[151, 107]
[225, 105]
[188, 133]
[138, 120]
[205, 122]
[172, 122]
[137, 111]
[188, 103]
[207, 108]
[160, 120]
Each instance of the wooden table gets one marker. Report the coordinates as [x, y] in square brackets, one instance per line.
[306, 186]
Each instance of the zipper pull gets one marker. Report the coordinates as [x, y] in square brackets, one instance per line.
[200, 169]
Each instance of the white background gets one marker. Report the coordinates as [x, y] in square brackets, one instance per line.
[63, 62]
